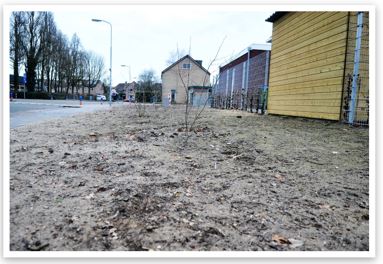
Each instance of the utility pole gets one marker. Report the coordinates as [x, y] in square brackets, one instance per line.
[355, 76]
[244, 96]
[110, 69]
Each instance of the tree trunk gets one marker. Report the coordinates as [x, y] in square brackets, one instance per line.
[42, 76]
[89, 87]
[31, 74]
[48, 80]
[16, 75]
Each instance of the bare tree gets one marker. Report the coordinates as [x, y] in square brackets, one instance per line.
[62, 62]
[144, 90]
[32, 46]
[94, 69]
[185, 80]
[16, 52]
[49, 58]
[105, 84]
[76, 58]
[190, 121]
[47, 35]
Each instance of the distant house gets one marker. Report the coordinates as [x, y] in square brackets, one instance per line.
[98, 89]
[180, 75]
[319, 65]
[244, 80]
[130, 91]
[120, 88]
[126, 91]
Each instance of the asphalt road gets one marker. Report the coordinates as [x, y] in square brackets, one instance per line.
[26, 111]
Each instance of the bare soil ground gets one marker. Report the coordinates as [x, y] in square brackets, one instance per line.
[114, 181]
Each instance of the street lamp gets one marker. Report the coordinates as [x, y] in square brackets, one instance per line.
[128, 66]
[127, 94]
[110, 69]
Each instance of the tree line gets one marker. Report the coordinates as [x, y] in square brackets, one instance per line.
[52, 62]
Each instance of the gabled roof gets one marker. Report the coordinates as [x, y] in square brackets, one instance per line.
[120, 86]
[274, 17]
[184, 57]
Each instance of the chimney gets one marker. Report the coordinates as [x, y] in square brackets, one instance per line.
[199, 62]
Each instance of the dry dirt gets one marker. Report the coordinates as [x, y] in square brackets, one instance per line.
[114, 181]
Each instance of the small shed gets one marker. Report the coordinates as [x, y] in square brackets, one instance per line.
[199, 95]
[319, 65]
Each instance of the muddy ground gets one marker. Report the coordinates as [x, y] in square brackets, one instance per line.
[114, 181]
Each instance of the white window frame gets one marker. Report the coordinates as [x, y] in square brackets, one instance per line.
[232, 86]
[244, 69]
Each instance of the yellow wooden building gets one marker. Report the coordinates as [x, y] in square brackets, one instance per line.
[312, 67]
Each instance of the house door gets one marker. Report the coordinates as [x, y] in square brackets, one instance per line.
[173, 96]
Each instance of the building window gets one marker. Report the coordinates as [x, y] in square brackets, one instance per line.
[186, 66]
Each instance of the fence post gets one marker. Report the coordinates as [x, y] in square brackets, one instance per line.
[232, 87]
[266, 82]
[227, 87]
[355, 75]
[244, 107]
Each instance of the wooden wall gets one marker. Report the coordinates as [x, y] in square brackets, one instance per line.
[307, 64]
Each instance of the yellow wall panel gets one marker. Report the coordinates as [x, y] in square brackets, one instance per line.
[306, 18]
[307, 64]
[307, 108]
[307, 50]
[328, 116]
[315, 55]
[311, 31]
[325, 85]
[313, 77]
[306, 96]
[325, 34]
[318, 66]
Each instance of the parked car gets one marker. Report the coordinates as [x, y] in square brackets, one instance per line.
[101, 97]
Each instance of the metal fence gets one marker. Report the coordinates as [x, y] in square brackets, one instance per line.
[355, 101]
[244, 85]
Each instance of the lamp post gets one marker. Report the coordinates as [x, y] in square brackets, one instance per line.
[128, 66]
[130, 77]
[110, 69]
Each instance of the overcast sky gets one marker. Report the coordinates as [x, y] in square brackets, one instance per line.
[144, 36]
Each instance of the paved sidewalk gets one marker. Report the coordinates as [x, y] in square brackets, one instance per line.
[25, 111]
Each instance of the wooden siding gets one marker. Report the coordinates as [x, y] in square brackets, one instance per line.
[307, 64]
